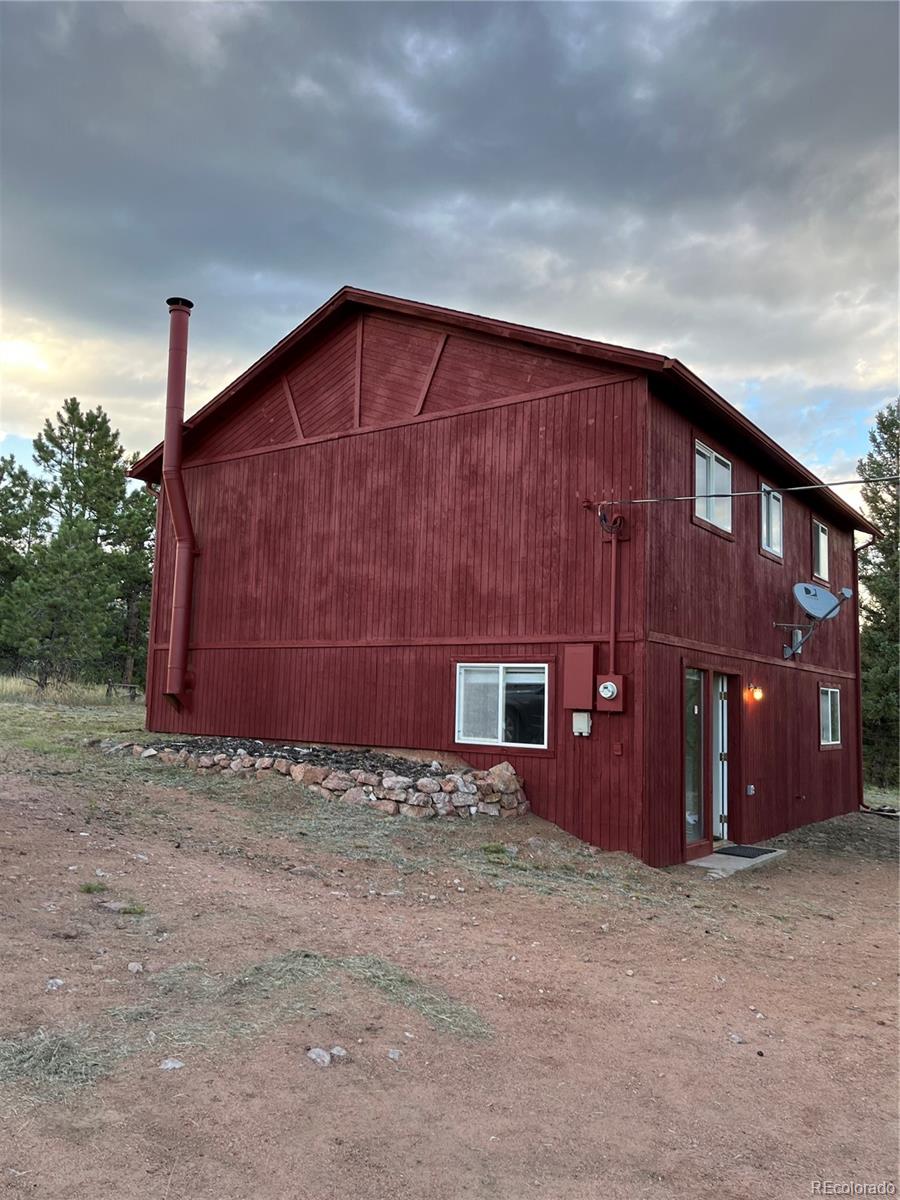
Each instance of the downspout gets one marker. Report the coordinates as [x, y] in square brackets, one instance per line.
[177, 682]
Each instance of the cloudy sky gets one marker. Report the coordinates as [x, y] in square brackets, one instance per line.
[716, 181]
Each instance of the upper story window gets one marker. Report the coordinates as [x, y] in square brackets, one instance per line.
[829, 716]
[500, 704]
[712, 487]
[820, 550]
[771, 521]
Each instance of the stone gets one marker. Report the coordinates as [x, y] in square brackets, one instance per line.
[484, 787]
[398, 795]
[523, 808]
[428, 785]
[247, 761]
[366, 778]
[416, 810]
[394, 1055]
[391, 807]
[339, 1054]
[149, 753]
[413, 796]
[282, 766]
[394, 782]
[222, 760]
[356, 795]
[448, 786]
[236, 764]
[467, 789]
[264, 763]
[316, 774]
[320, 1057]
[503, 777]
[489, 810]
[316, 789]
[460, 800]
[297, 772]
[136, 968]
[509, 812]
[182, 756]
[205, 762]
[338, 781]
[137, 751]
[436, 766]
[53, 985]
[508, 800]
[171, 1064]
[444, 806]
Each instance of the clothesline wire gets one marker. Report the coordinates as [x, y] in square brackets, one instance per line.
[806, 487]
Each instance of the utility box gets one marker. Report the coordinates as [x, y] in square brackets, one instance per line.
[579, 671]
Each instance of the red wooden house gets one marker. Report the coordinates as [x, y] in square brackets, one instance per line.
[385, 533]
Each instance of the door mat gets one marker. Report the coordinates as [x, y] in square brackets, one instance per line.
[744, 851]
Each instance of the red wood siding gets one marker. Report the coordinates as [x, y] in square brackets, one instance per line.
[712, 603]
[471, 371]
[323, 383]
[397, 355]
[332, 606]
[265, 422]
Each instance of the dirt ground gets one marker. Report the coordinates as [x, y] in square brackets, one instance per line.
[569, 1024]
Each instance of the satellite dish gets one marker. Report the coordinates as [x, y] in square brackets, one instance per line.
[816, 602]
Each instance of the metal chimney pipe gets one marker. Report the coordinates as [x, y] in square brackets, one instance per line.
[176, 500]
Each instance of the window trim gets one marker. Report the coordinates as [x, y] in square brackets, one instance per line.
[766, 490]
[830, 689]
[502, 664]
[816, 525]
[704, 522]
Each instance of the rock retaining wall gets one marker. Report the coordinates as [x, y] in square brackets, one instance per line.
[420, 792]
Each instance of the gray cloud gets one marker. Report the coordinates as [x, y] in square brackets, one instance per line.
[714, 180]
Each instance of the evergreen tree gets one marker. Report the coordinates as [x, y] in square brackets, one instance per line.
[880, 604]
[83, 464]
[131, 562]
[57, 614]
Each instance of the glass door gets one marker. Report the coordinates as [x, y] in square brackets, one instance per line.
[694, 756]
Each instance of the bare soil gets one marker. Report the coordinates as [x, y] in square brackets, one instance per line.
[570, 1024]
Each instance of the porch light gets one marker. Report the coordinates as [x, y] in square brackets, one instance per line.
[756, 692]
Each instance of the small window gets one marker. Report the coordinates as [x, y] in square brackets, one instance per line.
[502, 705]
[712, 487]
[772, 521]
[829, 716]
[820, 550]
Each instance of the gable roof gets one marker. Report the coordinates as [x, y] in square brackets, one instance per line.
[670, 371]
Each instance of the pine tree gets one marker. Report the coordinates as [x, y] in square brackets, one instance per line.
[58, 613]
[880, 604]
[131, 562]
[83, 463]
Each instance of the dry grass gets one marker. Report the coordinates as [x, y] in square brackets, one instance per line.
[188, 1007]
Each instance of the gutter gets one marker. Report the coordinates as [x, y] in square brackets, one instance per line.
[178, 683]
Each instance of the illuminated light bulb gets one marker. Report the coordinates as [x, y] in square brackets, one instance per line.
[756, 692]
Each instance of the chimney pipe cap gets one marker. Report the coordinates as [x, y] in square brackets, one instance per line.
[178, 302]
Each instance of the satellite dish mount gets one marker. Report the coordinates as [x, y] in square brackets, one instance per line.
[819, 605]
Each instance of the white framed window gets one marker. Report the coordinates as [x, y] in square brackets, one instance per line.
[829, 716]
[771, 521]
[712, 487]
[502, 704]
[820, 549]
